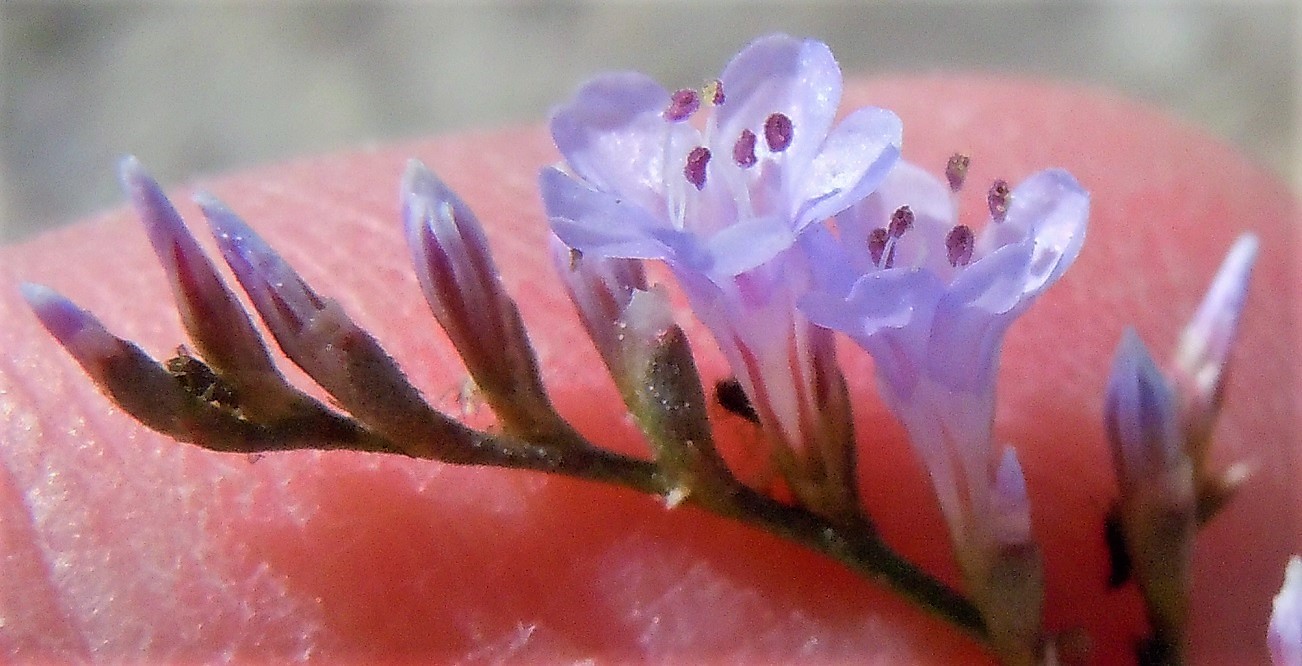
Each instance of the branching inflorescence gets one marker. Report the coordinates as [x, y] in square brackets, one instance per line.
[781, 227]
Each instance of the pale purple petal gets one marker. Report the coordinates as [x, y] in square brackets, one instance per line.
[1051, 210]
[601, 290]
[1285, 632]
[602, 224]
[971, 319]
[782, 74]
[745, 245]
[854, 160]
[612, 134]
[878, 301]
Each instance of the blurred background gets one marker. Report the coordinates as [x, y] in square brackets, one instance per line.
[194, 89]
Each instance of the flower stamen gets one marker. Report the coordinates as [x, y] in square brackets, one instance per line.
[901, 221]
[998, 199]
[694, 170]
[956, 170]
[877, 245]
[743, 152]
[959, 245]
[778, 132]
[682, 104]
[713, 91]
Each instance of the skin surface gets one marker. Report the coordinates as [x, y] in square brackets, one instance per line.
[118, 542]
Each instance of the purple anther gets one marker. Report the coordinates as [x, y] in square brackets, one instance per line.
[743, 152]
[682, 105]
[877, 245]
[901, 221]
[694, 170]
[959, 244]
[999, 198]
[714, 91]
[956, 170]
[777, 132]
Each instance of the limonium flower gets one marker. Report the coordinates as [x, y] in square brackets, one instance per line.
[931, 299]
[720, 183]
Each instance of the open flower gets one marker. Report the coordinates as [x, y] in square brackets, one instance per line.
[931, 301]
[724, 206]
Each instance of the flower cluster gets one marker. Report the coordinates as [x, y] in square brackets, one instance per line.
[782, 228]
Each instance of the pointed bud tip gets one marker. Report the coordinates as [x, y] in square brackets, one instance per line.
[60, 316]
[130, 170]
[415, 177]
[1206, 340]
[1140, 415]
[231, 231]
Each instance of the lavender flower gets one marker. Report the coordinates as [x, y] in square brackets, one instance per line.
[1285, 633]
[931, 301]
[724, 207]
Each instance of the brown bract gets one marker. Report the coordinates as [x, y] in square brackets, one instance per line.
[119, 543]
